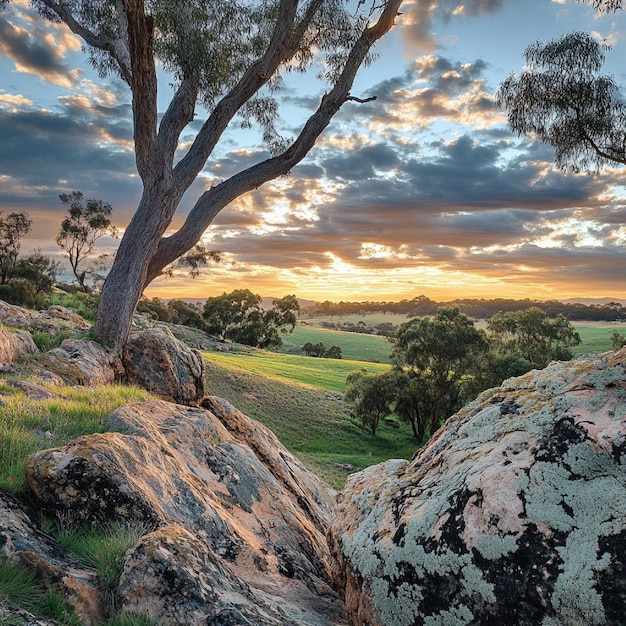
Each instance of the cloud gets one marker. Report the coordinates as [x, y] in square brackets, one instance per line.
[38, 52]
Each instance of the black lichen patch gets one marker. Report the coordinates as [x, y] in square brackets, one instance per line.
[612, 580]
[101, 500]
[564, 434]
[523, 580]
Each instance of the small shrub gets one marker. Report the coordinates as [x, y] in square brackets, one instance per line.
[45, 341]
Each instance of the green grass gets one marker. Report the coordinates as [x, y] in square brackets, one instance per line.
[101, 548]
[20, 589]
[310, 422]
[354, 346]
[596, 336]
[27, 426]
[327, 374]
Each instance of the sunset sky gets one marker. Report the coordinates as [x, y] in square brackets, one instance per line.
[423, 191]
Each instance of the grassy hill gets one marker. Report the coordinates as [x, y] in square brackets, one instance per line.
[298, 399]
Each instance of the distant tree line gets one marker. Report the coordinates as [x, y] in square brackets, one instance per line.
[441, 362]
[475, 308]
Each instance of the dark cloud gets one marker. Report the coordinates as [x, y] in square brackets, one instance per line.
[33, 51]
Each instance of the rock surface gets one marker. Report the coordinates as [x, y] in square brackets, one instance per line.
[82, 362]
[157, 361]
[23, 544]
[514, 513]
[13, 345]
[236, 524]
[53, 320]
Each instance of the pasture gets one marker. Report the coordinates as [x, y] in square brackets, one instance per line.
[298, 398]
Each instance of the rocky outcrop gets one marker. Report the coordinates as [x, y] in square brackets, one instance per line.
[82, 362]
[235, 524]
[514, 513]
[23, 544]
[13, 345]
[53, 320]
[155, 360]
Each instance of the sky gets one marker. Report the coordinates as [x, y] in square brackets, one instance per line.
[423, 191]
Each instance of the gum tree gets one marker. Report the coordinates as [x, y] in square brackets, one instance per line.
[84, 223]
[561, 99]
[225, 57]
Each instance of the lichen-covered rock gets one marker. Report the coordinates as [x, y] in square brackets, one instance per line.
[82, 362]
[238, 531]
[155, 360]
[54, 320]
[514, 513]
[23, 544]
[13, 345]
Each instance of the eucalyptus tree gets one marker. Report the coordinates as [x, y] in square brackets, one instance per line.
[225, 57]
[561, 99]
[84, 223]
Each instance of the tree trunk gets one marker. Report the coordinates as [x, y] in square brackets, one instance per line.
[125, 282]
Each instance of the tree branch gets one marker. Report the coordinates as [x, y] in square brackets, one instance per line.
[115, 47]
[215, 199]
[252, 80]
[143, 87]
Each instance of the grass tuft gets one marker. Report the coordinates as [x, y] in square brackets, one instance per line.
[101, 548]
[27, 426]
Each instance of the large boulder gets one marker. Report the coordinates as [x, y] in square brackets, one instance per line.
[514, 513]
[235, 524]
[82, 362]
[23, 544]
[14, 345]
[155, 360]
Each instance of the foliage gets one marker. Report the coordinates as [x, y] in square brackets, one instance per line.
[559, 99]
[45, 341]
[197, 258]
[319, 350]
[476, 308]
[239, 316]
[41, 271]
[84, 304]
[618, 340]
[372, 396]
[440, 351]
[22, 293]
[532, 336]
[85, 222]
[13, 227]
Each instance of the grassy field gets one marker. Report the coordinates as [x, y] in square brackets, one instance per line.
[596, 336]
[326, 374]
[299, 403]
[354, 346]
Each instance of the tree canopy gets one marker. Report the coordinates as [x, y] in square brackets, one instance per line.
[84, 223]
[560, 99]
[239, 316]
